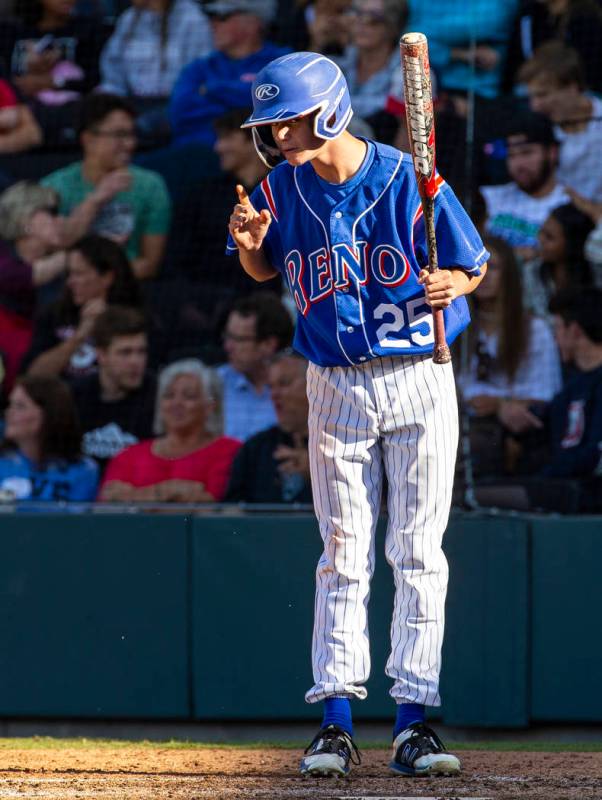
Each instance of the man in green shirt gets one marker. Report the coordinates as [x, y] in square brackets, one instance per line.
[106, 194]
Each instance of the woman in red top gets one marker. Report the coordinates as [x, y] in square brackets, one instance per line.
[188, 462]
[19, 130]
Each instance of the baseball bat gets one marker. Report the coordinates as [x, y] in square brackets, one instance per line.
[421, 134]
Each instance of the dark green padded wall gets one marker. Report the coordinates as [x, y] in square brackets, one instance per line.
[93, 616]
[155, 616]
[566, 638]
[484, 680]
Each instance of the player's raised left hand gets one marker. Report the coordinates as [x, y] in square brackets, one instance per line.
[439, 287]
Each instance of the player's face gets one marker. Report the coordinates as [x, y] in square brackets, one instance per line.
[297, 141]
[183, 406]
[23, 417]
[547, 97]
[124, 361]
[287, 383]
[235, 150]
[552, 244]
[112, 142]
[530, 165]
[84, 282]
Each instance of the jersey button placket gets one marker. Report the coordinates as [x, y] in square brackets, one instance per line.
[338, 233]
[345, 298]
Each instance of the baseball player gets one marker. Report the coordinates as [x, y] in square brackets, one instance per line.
[340, 217]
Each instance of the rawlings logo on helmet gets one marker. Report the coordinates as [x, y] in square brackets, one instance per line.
[267, 91]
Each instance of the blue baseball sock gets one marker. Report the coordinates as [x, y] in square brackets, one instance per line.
[337, 711]
[406, 714]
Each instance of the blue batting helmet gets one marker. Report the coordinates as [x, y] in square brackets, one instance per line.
[292, 86]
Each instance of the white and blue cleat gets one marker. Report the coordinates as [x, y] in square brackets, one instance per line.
[418, 751]
[330, 754]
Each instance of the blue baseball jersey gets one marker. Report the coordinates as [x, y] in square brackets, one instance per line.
[351, 253]
[21, 479]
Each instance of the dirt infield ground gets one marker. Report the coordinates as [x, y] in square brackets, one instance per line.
[166, 773]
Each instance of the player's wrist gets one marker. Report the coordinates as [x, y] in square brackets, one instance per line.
[461, 281]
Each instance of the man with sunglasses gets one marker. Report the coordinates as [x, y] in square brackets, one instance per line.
[210, 86]
[106, 194]
[371, 62]
[341, 218]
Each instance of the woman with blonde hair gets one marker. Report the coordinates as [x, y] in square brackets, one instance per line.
[189, 461]
[31, 256]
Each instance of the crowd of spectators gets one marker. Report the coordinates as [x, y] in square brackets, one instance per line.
[139, 364]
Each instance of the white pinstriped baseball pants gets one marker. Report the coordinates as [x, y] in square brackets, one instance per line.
[397, 417]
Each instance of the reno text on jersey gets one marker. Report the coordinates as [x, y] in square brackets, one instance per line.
[346, 264]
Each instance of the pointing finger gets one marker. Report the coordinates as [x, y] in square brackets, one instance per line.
[242, 195]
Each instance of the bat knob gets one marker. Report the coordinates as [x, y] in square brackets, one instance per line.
[413, 38]
[441, 354]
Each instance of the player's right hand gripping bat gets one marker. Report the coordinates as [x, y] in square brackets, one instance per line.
[421, 133]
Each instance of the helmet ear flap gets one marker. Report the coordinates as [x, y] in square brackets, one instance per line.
[333, 119]
[266, 147]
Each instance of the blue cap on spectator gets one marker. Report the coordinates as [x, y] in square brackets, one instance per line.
[264, 9]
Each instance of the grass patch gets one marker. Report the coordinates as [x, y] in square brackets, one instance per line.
[529, 747]
[51, 743]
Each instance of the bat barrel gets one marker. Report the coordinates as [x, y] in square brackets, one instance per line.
[419, 109]
[421, 135]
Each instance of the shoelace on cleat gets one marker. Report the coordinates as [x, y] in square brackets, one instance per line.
[424, 740]
[334, 739]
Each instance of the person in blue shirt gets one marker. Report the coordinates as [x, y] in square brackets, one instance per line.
[467, 41]
[41, 459]
[257, 327]
[212, 85]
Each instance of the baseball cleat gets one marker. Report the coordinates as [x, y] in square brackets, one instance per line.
[330, 753]
[418, 751]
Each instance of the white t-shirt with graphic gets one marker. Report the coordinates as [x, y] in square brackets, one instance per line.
[515, 216]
